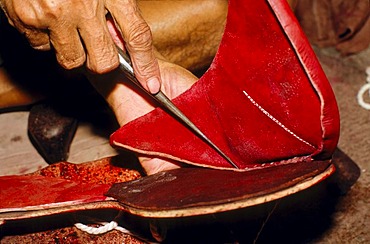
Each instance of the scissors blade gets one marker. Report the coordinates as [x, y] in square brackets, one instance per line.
[162, 99]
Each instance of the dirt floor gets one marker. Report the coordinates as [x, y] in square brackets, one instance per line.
[350, 221]
[322, 214]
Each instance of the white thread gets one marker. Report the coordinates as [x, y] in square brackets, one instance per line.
[105, 228]
[275, 120]
[363, 89]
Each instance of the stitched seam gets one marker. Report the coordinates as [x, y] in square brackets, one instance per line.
[275, 120]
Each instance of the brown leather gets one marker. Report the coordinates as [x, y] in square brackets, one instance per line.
[186, 32]
[343, 24]
[195, 189]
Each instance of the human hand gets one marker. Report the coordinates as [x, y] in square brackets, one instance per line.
[78, 33]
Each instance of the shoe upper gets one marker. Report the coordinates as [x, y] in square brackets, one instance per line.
[264, 100]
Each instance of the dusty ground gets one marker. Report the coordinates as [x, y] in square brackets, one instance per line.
[347, 74]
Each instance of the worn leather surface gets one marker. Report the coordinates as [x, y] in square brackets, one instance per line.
[186, 33]
[264, 99]
[342, 24]
[196, 188]
[62, 184]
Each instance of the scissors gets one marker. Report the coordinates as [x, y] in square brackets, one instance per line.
[164, 101]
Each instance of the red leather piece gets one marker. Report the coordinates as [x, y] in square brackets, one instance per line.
[62, 184]
[265, 100]
[27, 191]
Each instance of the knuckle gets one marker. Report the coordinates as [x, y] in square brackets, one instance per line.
[71, 62]
[90, 8]
[139, 45]
[39, 14]
[38, 39]
[102, 55]
[139, 37]
[25, 16]
[102, 66]
[51, 10]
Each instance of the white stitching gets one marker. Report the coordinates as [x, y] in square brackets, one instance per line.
[275, 120]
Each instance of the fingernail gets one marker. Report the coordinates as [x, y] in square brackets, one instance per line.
[153, 85]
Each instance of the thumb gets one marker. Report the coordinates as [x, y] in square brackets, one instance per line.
[137, 38]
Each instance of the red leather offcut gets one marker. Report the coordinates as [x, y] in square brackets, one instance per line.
[264, 101]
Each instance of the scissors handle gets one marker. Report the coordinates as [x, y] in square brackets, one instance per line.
[162, 99]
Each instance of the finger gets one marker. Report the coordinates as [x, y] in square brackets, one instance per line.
[138, 39]
[25, 22]
[38, 39]
[101, 52]
[69, 50]
[115, 33]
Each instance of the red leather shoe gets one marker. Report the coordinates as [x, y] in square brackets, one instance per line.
[265, 100]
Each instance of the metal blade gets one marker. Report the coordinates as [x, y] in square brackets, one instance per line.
[162, 99]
